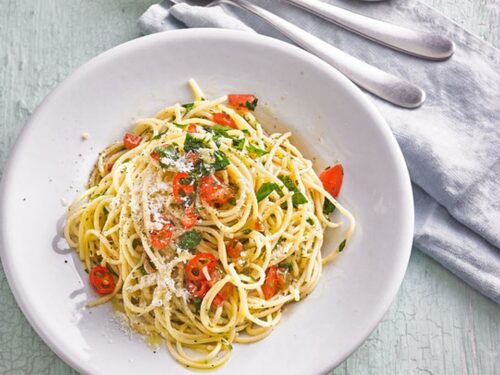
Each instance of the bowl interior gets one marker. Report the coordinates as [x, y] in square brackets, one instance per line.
[330, 120]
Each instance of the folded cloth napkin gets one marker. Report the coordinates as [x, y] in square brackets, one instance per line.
[451, 144]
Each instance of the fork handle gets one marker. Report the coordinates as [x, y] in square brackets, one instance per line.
[372, 79]
[422, 44]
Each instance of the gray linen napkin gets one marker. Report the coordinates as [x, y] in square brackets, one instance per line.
[451, 144]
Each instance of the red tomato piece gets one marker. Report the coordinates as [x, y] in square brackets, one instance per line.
[214, 277]
[191, 128]
[190, 217]
[244, 102]
[275, 281]
[214, 192]
[234, 248]
[223, 295]
[182, 187]
[161, 238]
[195, 265]
[131, 140]
[332, 179]
[224, 119]
[197, 288]
[102, 280]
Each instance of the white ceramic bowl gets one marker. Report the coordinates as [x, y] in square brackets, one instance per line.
[330, 119]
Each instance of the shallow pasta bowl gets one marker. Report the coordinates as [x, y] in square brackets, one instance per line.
[330, 120]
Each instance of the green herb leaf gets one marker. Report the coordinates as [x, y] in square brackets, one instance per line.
[328, 207]
[142, 269]
[180, 126]
[252, 105]
[245, 131]
[310, 221]
[341, 246]
[167, 154]
[158, 136]
[266, 189]
[96, 196]
[221, 130]
[188, 106]
[238, 143]
[192, 143]
[227, 344]
[287, 265]
[197, 303]
[190, 240]
[255, 150]
[221, 160]
[298, 197]
[246, 231]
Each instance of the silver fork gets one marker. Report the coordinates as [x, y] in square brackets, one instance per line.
[382, 84]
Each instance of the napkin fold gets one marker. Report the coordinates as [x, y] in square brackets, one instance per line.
[451, 144]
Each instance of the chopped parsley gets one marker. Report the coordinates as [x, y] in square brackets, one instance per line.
[95, 196]
[190, 240]
[197, 303]
[168, 153]
[192, 143]
[246, 231]
[180, 126]
[158, 136]
[238, 143]
[341, 246]
[298, 197]
[255, 150]
[226, 344]
[289, 266]
[252, 105]
[220, 130]
[310, 221]
[221, 160]
[266, 189]
[245, 131]
[328, 207]
[188, 106]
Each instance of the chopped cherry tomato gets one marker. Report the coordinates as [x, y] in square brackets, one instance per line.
[102, 280]
[161, 238]
[110, 166]
[258, 226]
[131, 140]
[224, 119]
[190, 217]
[155, 155]
[191, 128]
[197, 288]
[223, 295]
[214, 277]
[182, 187]
[234, 248]
[275, 280]
[244, 102]
[332, 179]
[195, 265]
[213, 191]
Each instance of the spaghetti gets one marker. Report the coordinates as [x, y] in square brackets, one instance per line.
[200, 227]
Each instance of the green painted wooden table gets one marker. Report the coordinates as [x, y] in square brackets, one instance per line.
[436, 325]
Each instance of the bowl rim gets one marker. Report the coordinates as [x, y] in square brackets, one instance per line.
[407, 207]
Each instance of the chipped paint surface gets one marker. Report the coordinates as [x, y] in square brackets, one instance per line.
[437, 324]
